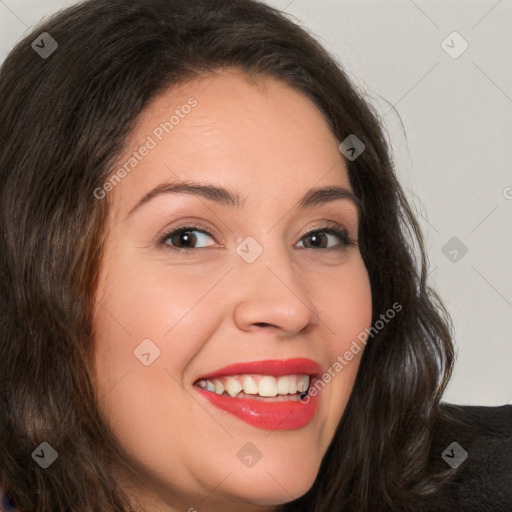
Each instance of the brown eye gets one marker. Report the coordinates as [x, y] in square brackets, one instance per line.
[320, 238]
[186, 238]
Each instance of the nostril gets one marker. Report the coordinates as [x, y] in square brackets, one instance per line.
[263, 324]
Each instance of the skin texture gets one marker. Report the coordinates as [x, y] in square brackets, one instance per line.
[210, 308]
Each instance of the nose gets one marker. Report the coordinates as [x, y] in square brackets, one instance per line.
[271, 295]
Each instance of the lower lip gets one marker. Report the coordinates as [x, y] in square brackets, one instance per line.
[285, 415]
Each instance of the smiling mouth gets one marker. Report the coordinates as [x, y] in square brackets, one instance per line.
[266, 388]
[270, 394]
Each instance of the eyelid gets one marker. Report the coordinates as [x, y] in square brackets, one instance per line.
[186, 226]
[330, 227]
[336, 229]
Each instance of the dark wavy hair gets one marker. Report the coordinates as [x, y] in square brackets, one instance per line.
[64, 120]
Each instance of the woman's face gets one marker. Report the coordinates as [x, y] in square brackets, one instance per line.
[253, 290]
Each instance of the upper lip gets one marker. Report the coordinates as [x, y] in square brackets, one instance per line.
[298, 365]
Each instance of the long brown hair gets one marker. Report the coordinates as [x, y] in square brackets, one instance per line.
[64, 119]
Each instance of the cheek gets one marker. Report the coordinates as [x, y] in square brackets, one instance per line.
[345, 305]
[345, 308]
[138, 366]
[137, 302]
[148, 311]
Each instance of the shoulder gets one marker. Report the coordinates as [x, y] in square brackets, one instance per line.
[473, 445]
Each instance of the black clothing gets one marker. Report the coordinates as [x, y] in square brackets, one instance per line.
[483, 481]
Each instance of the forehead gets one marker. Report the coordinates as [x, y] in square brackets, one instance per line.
[256, 135]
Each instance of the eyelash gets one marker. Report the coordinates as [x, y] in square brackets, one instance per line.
[341, 233]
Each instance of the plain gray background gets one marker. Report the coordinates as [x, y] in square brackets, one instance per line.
[452, 153]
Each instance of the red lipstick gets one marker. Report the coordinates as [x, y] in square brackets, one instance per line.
[279, 415]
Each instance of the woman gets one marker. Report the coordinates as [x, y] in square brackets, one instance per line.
[213, 288]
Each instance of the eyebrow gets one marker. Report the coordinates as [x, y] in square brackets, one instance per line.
[224, 196]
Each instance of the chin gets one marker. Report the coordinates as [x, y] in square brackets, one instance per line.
[269, 487]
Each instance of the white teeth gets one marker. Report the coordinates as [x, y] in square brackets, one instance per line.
[292, 384]
[233, 387]
[302, 383]
[249, 385]
[219, 387]
[267, 386]
[283, 385]
[262, 385]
